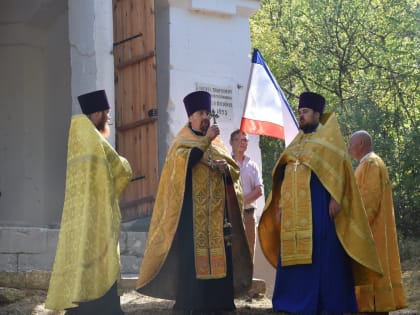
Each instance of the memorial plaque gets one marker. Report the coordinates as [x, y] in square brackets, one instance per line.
[221, 100]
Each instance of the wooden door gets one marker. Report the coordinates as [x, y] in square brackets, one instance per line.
[135, 102]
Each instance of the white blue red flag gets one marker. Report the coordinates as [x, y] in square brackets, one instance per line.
[267, 112]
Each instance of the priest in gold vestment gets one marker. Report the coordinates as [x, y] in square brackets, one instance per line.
[87, 262]
[314, 229]
[197, 253]
[386, 293]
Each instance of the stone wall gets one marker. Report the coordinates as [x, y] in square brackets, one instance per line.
[27, 250]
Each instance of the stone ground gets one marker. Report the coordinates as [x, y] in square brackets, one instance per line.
[132, 304]
[32, 301]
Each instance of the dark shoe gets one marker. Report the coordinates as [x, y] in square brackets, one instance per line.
[72, 311]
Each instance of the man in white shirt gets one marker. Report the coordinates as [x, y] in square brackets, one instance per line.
[251, 180]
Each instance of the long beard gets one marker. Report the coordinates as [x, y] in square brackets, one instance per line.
[105, 130]
[103, 127]
[204, 126]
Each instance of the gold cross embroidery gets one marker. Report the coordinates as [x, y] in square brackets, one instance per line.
[296, 164]
[211, 162]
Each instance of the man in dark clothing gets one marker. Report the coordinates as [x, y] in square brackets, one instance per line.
[197, 251]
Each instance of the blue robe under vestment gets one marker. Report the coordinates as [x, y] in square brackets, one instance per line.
[325, 286]
[318, 259]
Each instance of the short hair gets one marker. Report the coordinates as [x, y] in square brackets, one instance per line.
[236, 132]
[363, 134]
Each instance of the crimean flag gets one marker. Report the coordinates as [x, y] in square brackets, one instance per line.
[266, 111]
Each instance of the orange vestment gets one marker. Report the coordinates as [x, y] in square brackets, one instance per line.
[386, 293]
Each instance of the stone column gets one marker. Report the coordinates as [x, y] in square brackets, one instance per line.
[91, 44]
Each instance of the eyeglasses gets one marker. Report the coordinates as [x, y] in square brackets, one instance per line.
[242, 140]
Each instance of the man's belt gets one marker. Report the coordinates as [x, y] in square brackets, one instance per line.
[249, 210]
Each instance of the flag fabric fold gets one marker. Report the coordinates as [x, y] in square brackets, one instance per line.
[266, 111]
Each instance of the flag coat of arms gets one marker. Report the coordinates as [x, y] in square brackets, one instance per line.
[266, 110]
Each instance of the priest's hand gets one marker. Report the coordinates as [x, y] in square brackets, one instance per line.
[278, 215]
[221, 165]
[213, 132]
[334, 208]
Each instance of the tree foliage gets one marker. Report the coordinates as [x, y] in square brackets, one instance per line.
[363, 56]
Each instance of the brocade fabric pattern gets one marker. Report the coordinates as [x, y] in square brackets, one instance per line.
[87, 261]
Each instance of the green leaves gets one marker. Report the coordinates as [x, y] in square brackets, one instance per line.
[363, 57]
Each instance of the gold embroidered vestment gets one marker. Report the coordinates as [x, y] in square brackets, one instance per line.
[87, 261]
[325, 154]
[386, 293]
[159, 270]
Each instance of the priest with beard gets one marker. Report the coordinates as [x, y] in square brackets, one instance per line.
[314, 229]
[86, 268]
[197, 253]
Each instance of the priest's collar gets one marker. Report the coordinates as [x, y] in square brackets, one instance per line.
[310, 129]
[196, 132]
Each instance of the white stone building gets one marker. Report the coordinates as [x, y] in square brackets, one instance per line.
[51, 51]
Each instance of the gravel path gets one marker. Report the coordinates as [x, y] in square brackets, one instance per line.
[134, 303]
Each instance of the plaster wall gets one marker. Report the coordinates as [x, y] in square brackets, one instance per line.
[51, 51]
[11, 135]
[91, 45]
[209, 45]
[57, 118]
[22, 123]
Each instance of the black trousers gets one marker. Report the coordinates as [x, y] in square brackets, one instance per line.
[108, 304]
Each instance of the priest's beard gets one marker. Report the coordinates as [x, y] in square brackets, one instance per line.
[309, 127]
[204, 126]
[103, 126]
[105, 130]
